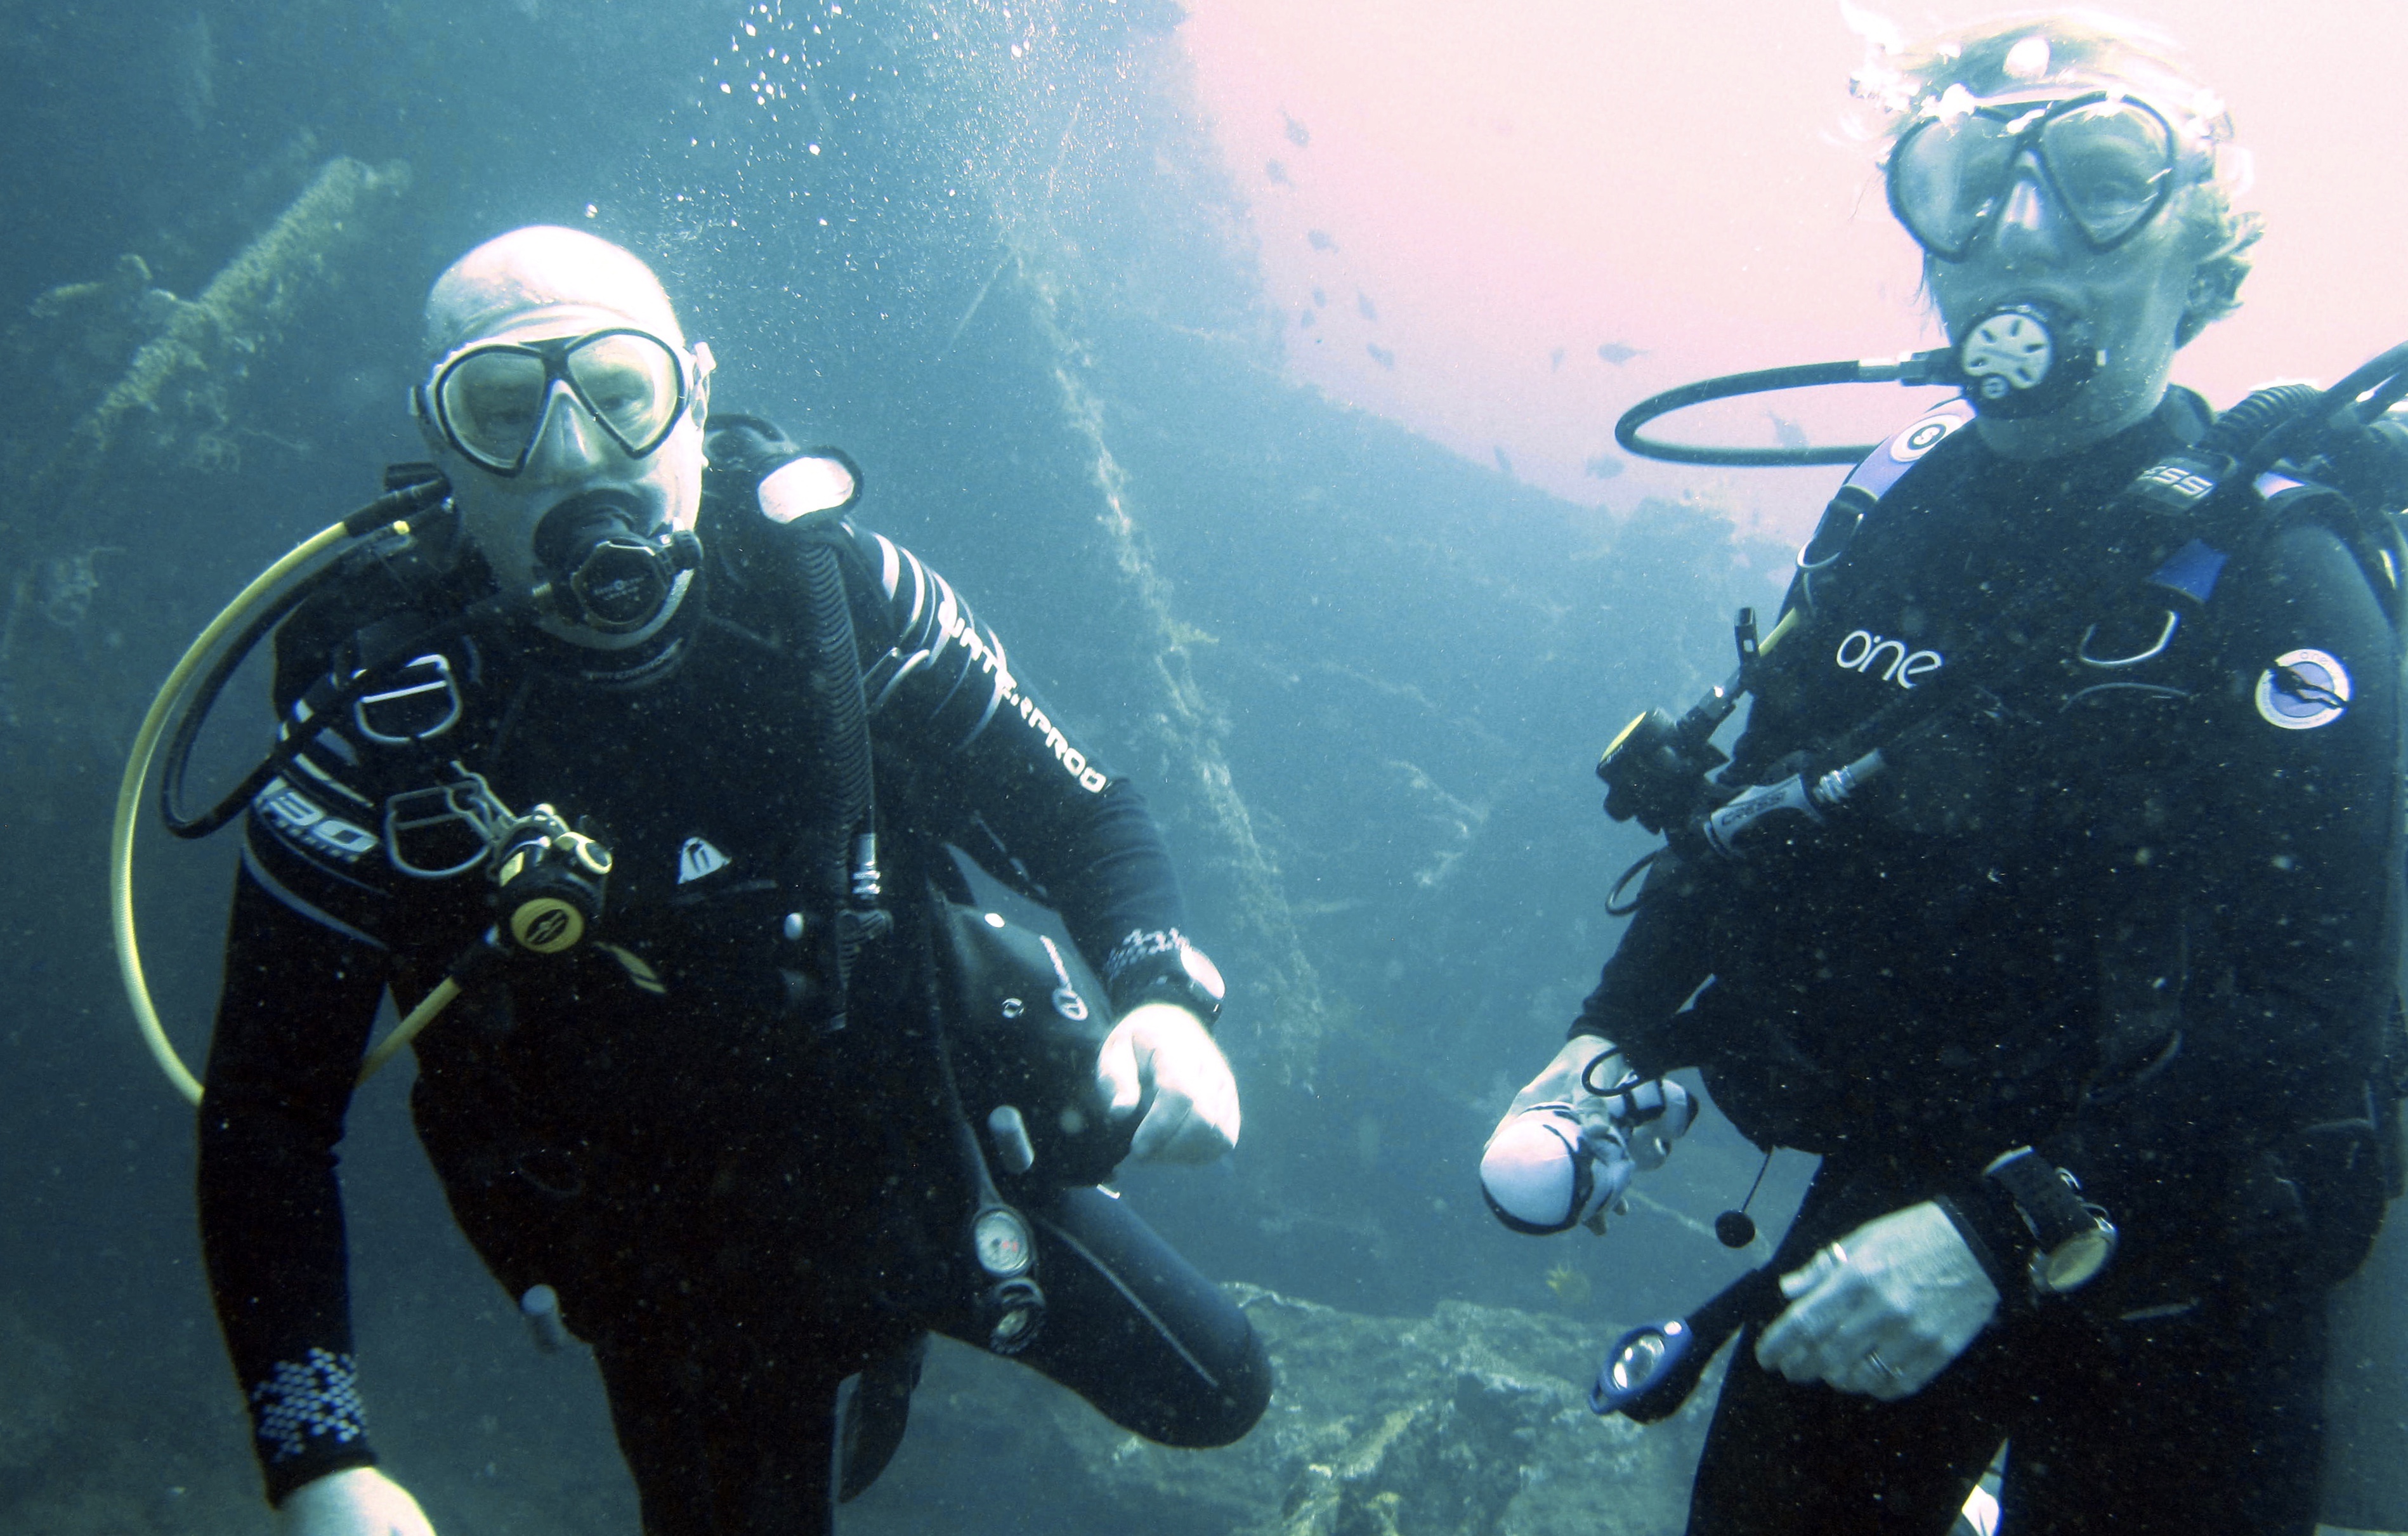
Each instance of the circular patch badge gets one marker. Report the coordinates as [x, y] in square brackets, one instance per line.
[1924, 435]
[2303, 690]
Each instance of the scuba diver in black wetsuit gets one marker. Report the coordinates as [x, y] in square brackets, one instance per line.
[2049, 895]
[641, 778]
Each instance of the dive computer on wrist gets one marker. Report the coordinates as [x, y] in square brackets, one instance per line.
[2075, 1238]
[1161, 966]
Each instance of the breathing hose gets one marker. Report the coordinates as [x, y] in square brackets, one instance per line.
[1913, 368]
[389, 508]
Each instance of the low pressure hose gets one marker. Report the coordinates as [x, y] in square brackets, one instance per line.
[1927, 367]
[388, 508]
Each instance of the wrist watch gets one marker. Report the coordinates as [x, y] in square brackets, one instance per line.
[1182, 974]
[2075, 1238]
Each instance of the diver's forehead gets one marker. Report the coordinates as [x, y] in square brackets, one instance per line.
[547, 322]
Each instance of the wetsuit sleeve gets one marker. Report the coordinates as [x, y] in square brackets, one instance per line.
[2273, 830]
[939, 684]
[1664, 956]
[1659, 962]
[293, 1020]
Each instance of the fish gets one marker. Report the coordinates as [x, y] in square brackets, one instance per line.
[1319, 240]
[1788, 434]
[1297, 133]
[1381, 355]
[1363, 303]
[1276, 173]
[1556, 360]
[1320, 299]
[1617, 354]
[1504, 465]
[1602, 467]
[1571, 1286]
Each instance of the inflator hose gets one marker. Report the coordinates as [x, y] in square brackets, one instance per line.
[180, 751]
[407, 1030]
[2386, 377]
[385, 509]
[2237, 430]
[1761, 381]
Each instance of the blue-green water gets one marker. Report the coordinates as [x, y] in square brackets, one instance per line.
[1361, 679]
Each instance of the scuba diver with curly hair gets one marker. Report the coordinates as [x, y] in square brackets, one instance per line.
[2049, 894]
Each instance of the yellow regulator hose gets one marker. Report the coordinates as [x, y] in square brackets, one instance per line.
[129, 807]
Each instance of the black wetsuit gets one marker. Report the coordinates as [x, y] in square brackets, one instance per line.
[2107, 906]
[739, 1202]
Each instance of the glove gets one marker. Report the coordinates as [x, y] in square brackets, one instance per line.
[1884, 1310]
[358, 1501]
[1563, 1156]
[1162, 1049]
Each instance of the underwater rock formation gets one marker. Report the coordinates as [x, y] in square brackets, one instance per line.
[142, 391]
[1470, 1421]
[178, 378]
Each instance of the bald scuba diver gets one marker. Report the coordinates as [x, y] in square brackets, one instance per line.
[648, 776]
[2049, 894]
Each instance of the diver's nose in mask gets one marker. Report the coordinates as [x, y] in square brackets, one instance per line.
[568, 441]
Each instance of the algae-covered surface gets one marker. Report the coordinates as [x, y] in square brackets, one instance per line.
[1469, 1421]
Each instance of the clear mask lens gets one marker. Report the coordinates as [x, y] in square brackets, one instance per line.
[630, 383]
[1948, 177]
[2109, 163]
[491, 401]
[2112, 163]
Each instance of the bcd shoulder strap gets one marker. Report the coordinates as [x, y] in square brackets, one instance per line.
[784, 579]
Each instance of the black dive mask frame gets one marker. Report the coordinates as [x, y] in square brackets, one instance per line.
[431, 399]
[2034, 130]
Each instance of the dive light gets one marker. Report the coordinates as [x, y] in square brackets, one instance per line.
[1651, 1370]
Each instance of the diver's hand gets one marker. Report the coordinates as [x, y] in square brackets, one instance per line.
[1884, 1310]
[1560, 1083]
[1642, 1119]
[358, 1501]
[1164, 1048]
[1563, 1156]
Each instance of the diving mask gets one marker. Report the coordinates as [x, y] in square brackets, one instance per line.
[491, 399]
[2110, 161]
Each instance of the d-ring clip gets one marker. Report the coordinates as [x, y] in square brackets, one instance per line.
[2165, 638]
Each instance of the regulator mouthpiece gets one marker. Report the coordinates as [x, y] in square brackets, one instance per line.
[609, 572]
[2025, 358]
